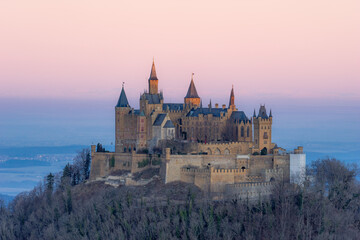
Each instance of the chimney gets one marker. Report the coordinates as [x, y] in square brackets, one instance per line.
[216, 105]
[223, 106]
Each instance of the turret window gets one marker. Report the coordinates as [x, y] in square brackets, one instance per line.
[242, 132]
[265, 135]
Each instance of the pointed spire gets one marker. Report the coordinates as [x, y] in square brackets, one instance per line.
[232, 97]
[270, 113]
[192, 93]
[254, 115]
[122, 102]
[153, 72]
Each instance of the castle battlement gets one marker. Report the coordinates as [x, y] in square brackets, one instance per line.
[250, 184]
[228, 170]
[195, 170]
[273, 170]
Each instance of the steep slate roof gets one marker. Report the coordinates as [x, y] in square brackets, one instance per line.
[232, 97]
[192, 93]
[122, 102]
[153, 98]
[262, 112]
[239, 116]
[206, 111]
[159, 119]
[173, 106]
[169, 124]
[153, 72]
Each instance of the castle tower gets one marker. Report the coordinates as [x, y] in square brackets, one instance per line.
[262, 129]
[232, 100]
[192, 98]
[122, 108]
[153, 80]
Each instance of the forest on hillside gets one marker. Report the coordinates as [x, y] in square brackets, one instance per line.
[64, 206]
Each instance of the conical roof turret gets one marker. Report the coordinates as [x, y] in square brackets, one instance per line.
[122, 102]
[192, 93]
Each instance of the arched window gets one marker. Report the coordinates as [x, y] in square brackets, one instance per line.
[242, 132]
[226, 152]
[209, 151]
[248, 132]
[217, 152]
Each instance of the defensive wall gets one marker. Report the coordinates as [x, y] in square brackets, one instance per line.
[248, 190]
[104, 163]
[226, 148]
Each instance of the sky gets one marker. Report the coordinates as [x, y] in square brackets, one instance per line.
[268, 49]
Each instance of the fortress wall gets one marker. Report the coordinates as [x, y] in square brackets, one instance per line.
[199, 177]
[219, 178]
[283, 162]
[139, 158]
[101, 163]
[275, 174]
[226, 148]
[260, 162]
[250, 191]
[202, 180]
[219, 161]
[174, 163]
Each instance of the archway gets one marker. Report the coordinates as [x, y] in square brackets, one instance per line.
[217, 152]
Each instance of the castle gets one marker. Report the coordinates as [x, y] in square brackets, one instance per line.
[217, 148]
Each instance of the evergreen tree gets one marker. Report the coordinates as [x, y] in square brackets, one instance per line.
[50, 182]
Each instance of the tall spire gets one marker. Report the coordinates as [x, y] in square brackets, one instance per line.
[153, 72]
[153, 80]
[270, 115]
[254, 115]
[232, 98]
[192, 93]
[122, 102]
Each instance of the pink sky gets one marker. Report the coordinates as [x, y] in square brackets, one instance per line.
[267, 48]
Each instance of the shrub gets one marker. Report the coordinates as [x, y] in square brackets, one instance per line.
[143, 163]
[156, 162]
[112, 162]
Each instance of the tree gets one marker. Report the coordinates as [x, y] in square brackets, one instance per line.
[50, 182]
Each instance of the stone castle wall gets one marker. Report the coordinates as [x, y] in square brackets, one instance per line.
[248, 190]
[104, 163]
[226, 148]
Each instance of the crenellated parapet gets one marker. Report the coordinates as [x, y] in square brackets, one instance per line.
[229, 171]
